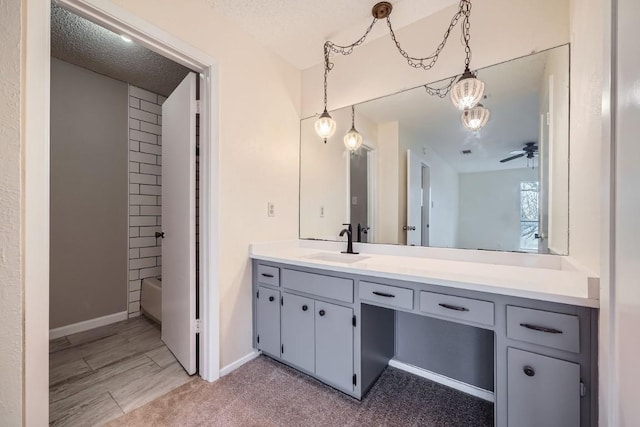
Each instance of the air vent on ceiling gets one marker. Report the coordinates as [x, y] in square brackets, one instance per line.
[465, 152]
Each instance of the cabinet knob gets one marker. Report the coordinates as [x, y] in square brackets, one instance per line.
[271, 298]
[321, 312]
[305, 308]
[528, 371]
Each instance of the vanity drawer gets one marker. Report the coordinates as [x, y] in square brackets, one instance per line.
[318, 284]
[468, 309]
[546, 328]
[387, 295]
[268, 275]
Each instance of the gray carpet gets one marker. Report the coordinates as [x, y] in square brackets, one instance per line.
[266, 393]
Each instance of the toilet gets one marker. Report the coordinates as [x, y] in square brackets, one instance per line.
[151, 298]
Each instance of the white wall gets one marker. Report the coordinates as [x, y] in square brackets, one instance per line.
[494, 225]
[259, 134]
[500, 30]
[443, 224]
[11, 274]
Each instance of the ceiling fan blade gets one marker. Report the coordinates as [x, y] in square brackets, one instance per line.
[517, 156]
[517, 152]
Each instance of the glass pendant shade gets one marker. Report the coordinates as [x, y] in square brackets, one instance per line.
[475, 118]
[467, 92]
[325, 126]
[353, 140]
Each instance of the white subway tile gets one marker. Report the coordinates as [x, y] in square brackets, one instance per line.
[134, 102]
[134, 188]
[143, 116]
[155, 190]
[134, 231]
[134, 146]
[160, 120]
[142, 157]
[134, 309]
[135, 199]
[134, 253]
[142, 242]
[134, 285]
[159, 261]
[133, 315]
[161, 99]
[143, 136]
[150, 148]
[134, 124]
[159, 160]
[150, 272]
[134, 274]
[141, 221]
[137, 178]
[142, 263]
[134, 167]
[151, 107]
[142, 94]
[149, 231]
[159, 180]
[150, 169]
[134, 296]
[151, 128]
[153, 251]
[150, 210]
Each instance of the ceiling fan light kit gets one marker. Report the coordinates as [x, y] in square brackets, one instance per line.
[466, 90]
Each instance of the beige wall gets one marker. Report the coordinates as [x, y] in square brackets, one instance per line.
[89, 209]
[11, 290]
[259, 132]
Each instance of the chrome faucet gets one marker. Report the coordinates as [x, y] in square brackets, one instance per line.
[349, 232]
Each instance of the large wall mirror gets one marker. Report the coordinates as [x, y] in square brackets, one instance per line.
[421, 178]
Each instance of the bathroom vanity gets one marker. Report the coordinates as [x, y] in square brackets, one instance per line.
[521, 334]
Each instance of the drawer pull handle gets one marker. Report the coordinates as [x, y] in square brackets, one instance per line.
[271, 299]
[382, 294]
[528, 371]
[267, 275]
[540, 328]
[453, 307]
[305, 308]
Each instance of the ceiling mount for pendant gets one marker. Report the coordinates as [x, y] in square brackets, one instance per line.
[382, 10]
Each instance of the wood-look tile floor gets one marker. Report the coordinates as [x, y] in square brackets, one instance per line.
[101, 374]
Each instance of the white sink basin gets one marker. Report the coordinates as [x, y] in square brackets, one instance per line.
[339, 258]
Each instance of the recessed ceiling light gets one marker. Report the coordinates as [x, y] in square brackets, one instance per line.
[125, 38]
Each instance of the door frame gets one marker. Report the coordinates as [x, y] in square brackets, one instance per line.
[423, 162]
[36, 179]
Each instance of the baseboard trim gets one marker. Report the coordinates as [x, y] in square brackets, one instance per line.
[441, 379]
[235, 365]
[87, 324]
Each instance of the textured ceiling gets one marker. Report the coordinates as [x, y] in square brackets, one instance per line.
[512, 90]
[85, 44]
[297, 29]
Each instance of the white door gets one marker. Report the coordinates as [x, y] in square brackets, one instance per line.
[426, 203]
[178, 223]
[414, 198]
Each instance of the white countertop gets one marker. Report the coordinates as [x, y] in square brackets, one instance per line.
[540, 277]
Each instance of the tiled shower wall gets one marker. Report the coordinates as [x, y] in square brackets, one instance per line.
[145, 180]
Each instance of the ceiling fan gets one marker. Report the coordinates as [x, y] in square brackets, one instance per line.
[530, 150]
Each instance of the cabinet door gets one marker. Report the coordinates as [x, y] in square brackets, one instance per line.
[334, 345]
[269, 321]
[298, 334]
[542, 391]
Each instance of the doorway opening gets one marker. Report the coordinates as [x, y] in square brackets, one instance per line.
[361, 184]
[426, 204]
[129, 220]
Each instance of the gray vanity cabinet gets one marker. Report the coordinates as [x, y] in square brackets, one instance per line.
[298, 331]
[268, 328]
[542, 390]
[334, 344]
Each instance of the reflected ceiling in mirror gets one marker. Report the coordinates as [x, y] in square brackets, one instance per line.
[422, 178]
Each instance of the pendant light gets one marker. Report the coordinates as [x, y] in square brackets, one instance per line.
[475, 118]
[466, 92]
[353, 139]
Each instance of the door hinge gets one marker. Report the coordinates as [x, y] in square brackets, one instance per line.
[583, 389]
[355, 379]
[353, 320]
[282, 348]
[258, 339]
[196, 325]
[198, 106]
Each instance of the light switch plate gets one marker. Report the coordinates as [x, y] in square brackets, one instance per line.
[271, 209]
[321, 211]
